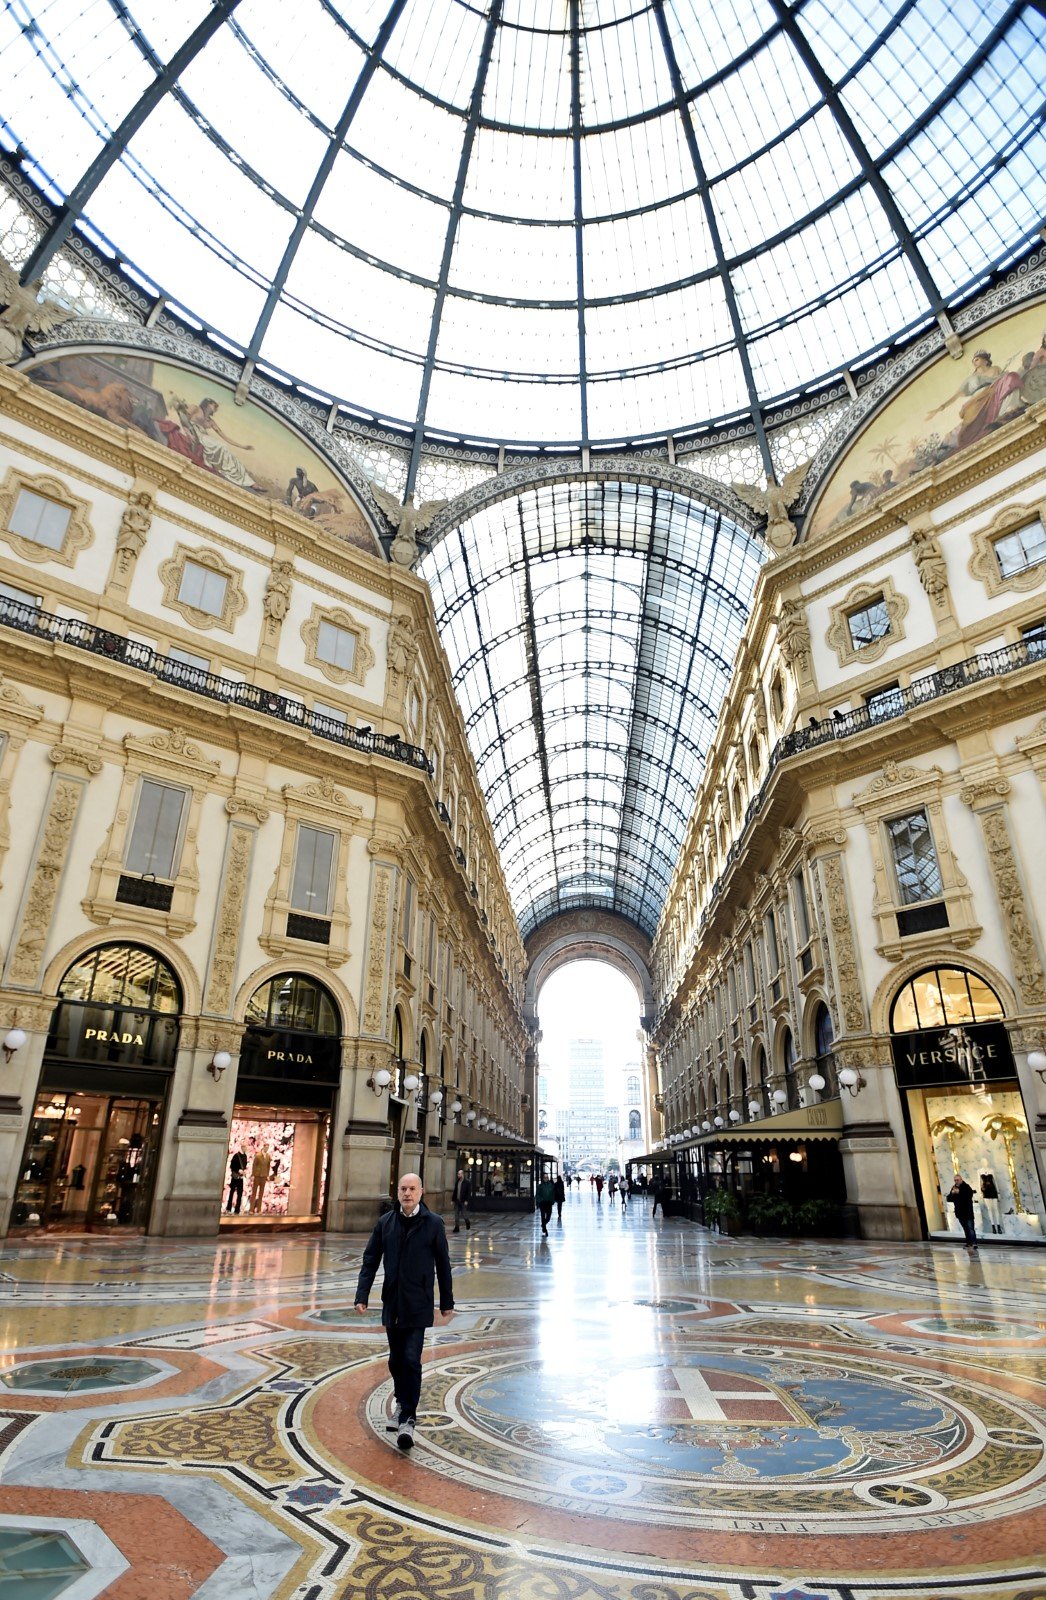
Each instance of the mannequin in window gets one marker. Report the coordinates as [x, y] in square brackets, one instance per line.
[990, 1197]
[260, 1168]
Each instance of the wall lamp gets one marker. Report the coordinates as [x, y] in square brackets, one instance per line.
[850, 1080]
[220, 1062]
[1036, 1060]
[735, 1115]
[380, 1080]
[436, 1098]
[470, 1116]
[816, 1082]
[15, 1038]
[780, 1097]
[411, 1081]
[754, 1108]
[455, 1107]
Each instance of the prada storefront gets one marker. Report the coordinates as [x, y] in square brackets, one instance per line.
[91, 1155]
[963, 1105]
[290, 1065]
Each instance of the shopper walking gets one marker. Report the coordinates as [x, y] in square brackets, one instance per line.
[461, 1195]
[960, 1197]
[412, 1242]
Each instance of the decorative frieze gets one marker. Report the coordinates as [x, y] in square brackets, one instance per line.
[229, 923]
[844, 948]
[986, 797]
[42, 898]
[377, 966]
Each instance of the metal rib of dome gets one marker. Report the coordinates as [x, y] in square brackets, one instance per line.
[591, 629]
[541, 221]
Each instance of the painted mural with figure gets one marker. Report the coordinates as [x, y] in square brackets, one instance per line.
[196, 416]
[947, 408]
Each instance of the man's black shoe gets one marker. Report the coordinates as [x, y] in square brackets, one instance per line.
[405, 1436]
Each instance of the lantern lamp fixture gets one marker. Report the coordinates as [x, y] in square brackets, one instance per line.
[13, 1040]
[220, 1062]
[380, 1080]
[850, 1079]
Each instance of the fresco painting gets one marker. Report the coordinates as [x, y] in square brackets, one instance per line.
[944, 410]
[196, 417]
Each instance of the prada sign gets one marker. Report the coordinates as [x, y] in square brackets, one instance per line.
[290, 1057]
[973, 1053]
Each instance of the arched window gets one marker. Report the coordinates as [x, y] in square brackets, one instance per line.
[824, 1033]
[943, 997]
[635, 1125]
[632, 1089]
[293, 1003]
[117, 1004]
[788, 1051]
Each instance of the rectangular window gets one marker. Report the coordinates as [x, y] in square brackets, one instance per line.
[802, 908]
[156, 830]
[337, 646]
[772, 953]
[1034, 638]
[313, 859]
[186, 667]
[1024, 548]
[868, 623]
[407, 918]
[203, 589]
[885, 702]
[20, 597]
[43, 521]
[914, 858]
[329, 715]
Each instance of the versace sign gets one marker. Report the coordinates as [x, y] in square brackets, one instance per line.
[971, 1053]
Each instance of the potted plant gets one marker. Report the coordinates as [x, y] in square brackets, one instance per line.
[722, 1210]
[771, 1213]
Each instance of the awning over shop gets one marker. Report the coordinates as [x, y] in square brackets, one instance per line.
[824, 1121]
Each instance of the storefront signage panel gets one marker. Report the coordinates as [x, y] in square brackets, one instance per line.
[112, 1036]
[290, 1057]
[975, 1052]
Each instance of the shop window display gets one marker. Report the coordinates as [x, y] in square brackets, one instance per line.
[985, 1137]
[277, 1164]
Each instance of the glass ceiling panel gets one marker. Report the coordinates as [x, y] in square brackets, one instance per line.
[591, 672]
[945, 95]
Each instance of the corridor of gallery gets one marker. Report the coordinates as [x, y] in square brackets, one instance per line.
[632, 1409]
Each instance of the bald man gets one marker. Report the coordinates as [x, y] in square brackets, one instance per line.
[412, 1242]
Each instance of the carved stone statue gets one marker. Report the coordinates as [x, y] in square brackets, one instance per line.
[134, 528]
[933, 574]
[278, 591]
[794, 635]
[408, 520]
[23, 313]
[403, 648]
[774, 503]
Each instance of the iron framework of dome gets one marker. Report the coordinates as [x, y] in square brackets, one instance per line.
[565, 222]
[597, 229]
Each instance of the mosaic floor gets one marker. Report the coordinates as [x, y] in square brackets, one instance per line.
[632, 1409]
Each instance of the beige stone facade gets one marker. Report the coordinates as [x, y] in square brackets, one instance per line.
[873, 812]
[193, 770]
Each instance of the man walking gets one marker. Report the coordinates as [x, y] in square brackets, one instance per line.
[961, 1197]
[412, 1241]
[545, 1197]
[461, 1196]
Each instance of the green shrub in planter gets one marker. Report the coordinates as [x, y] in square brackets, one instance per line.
[722, 1210]
[771, 1213]
[819, 1216]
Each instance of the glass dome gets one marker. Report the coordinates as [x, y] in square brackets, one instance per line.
[541, 222]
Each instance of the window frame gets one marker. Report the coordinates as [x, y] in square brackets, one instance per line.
[148, 781]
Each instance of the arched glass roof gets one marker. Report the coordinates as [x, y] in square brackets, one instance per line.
[591, 629]
[535, 221]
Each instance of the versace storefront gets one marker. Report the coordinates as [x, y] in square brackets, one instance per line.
[963, 1105]
[94, 1139]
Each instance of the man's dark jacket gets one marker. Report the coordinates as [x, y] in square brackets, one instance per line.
[413, 1256]
[462, 1192]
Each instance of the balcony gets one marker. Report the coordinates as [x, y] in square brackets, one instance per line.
[70, 631]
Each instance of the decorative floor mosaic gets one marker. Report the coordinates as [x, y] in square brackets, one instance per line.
[631, 1409]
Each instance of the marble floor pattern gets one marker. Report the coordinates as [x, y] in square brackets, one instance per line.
[632, 1409]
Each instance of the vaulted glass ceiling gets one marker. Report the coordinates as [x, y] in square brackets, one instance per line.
[591, 629]
[542, 220]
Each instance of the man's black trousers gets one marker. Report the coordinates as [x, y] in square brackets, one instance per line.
[405, 1347]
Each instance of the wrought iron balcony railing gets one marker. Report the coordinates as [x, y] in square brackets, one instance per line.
[29, 619]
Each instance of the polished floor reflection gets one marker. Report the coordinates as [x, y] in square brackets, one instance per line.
[631, 1408]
